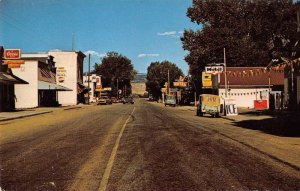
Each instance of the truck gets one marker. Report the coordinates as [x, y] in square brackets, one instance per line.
[170, 100]
[208, 104]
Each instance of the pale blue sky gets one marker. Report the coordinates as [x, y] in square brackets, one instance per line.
[142, 30]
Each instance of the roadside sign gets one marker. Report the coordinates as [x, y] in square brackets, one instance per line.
[231, 107]
[180, 84]
[214, 69]
[206, 80]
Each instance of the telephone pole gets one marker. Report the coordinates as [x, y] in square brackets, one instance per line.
[89, 78]
[168, 82]
[225, 75]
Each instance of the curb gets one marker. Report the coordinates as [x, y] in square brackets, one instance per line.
[30, 115]
[72, 108]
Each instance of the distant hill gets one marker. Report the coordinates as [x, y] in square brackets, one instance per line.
[139, 78]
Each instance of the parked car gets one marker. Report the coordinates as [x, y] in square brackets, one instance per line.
[114, 100]
[104, 100]
[128, 100]
[170, 100]
[209, 104]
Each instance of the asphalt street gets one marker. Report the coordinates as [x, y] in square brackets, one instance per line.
[141, 146]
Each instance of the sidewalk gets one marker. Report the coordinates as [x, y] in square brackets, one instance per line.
[17, 114]
[276, 135]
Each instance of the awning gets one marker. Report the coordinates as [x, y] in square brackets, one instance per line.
[51, 86]
[7, 78]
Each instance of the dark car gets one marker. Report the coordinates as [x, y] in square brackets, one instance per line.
[128, 100]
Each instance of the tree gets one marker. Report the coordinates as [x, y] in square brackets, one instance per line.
[115, 69]
[157, 76]
[253, 32]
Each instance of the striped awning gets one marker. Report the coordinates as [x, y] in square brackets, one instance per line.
[51, 86]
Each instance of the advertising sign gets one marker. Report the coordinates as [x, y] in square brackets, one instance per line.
[261, 104]
[206, 80]
[61, 74]
[12, 54]
[180, 84]
[13, 63]
[98, 82]
[231, 107]
[214, 69]
[107, 89]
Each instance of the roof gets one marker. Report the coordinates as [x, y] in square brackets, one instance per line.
[7, 78]
[45, 74]
[252, 76]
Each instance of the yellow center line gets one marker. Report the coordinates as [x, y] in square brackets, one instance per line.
[104, 181]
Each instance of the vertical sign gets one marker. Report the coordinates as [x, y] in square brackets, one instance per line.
[206, 80]
[61, 74]
[231, 107]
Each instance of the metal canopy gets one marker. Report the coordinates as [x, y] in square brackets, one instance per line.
[51, 86]
[7, 78]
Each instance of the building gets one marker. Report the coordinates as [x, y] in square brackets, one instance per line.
[95, 86]
[42, 89]
[7, 85]
[69, 74]
[251, 87]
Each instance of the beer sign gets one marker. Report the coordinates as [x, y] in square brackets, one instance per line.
[12, 54]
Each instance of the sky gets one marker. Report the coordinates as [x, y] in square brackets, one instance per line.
[142, 30]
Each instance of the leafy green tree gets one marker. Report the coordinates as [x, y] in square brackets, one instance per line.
[157, 76]
[116, 69]
[253, 32]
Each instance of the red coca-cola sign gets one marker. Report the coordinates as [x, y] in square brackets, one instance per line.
[12, 54]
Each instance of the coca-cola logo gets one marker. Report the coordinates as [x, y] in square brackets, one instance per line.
[12, 54]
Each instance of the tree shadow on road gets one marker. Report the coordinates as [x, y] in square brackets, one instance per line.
[284, 126]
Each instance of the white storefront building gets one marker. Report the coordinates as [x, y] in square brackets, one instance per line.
[69, 73]
[27, 94]
[251, 87]
[42, 89]
[63, 77]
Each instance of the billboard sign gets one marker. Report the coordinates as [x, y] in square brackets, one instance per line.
[12, 54]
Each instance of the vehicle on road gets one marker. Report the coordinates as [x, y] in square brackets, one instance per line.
[114, 100]
[104, 100]
[128, 100]
[208, 104]
[170, 100]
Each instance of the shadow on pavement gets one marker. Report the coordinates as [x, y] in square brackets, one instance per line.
[286, 125]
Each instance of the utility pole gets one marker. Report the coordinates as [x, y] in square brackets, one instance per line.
[72, 41]
[89, 78]
[168, 82]
[225, 75]
[117, 88]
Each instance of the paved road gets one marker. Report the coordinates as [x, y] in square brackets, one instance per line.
[144, 146]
